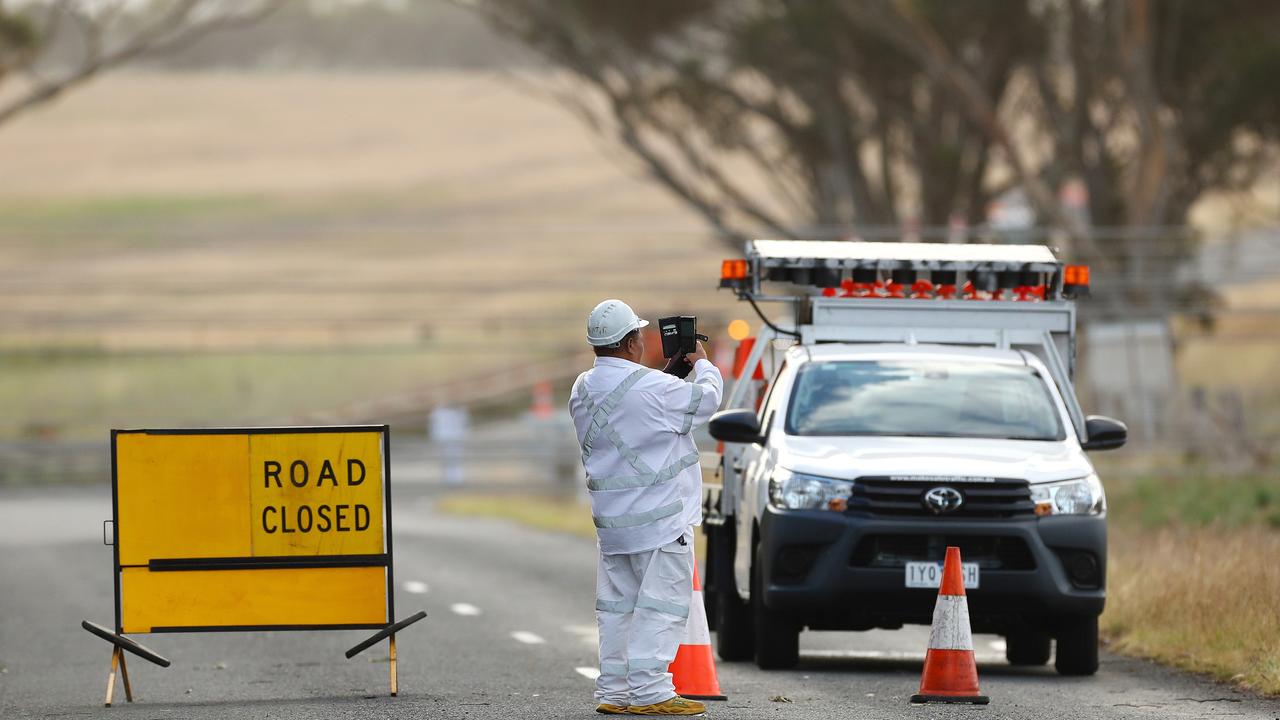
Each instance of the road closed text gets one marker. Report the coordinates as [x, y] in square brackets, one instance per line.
[288, 518]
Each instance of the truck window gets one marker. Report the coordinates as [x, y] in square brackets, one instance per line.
[770, 401]
[922, 398]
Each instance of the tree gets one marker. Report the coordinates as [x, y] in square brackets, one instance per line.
[56, 45]
[829, 116]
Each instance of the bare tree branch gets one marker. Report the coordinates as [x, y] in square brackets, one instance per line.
[694, 177]
[861, 111]
[177, 27]
[909, 32]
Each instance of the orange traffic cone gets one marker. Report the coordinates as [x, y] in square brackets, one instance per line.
[950, 671]
[694, 670]
[542, 407]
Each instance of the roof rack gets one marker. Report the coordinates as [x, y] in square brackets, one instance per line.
[905, 270]
[887, 292]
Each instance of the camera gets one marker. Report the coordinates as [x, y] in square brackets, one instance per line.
[679, 337]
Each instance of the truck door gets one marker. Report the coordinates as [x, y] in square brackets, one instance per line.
[755, 467]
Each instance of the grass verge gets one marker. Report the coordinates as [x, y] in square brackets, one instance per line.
[1194, 496]
[562, 515]
[1193, 579]
[1198, 598]
[80, 395]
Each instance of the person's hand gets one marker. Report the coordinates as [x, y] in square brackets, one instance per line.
[695, 356]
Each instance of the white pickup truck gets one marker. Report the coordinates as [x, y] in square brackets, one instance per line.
[921, 397]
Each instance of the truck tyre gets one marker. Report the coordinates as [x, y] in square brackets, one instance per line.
[1077, 646]
[777, 640]
[726, 613]
[709, 603]
[735, 632]
[1027, 647]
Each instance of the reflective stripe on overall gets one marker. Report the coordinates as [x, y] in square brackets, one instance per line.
[645, 476]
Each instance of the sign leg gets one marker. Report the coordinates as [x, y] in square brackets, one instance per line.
[124, 675]
[395, 685]
[111, 677]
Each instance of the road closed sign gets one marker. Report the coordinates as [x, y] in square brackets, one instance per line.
[252, 529]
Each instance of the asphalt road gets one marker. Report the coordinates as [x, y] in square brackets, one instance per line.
[510, 634]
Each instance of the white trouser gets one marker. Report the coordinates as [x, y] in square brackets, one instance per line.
[642, 606]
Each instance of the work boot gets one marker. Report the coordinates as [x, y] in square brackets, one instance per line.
[675, 706]
[608, 709]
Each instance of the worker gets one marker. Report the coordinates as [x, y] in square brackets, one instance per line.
[634, 427]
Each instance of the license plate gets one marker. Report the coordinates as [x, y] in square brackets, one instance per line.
[929, 575]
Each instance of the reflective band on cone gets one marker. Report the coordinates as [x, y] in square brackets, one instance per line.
[950, 671]
[694, 669]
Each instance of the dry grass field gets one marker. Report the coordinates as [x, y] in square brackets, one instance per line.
[1202, 599]
[1193, 580]
[214, 248]
[237, 248]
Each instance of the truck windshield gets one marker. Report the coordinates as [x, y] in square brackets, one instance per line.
[922, 398]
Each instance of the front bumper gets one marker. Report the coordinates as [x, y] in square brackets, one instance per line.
[829, 571]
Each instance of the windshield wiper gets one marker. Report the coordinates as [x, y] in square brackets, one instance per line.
[855, 433]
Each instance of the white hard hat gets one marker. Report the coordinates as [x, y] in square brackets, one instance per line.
[610, 321]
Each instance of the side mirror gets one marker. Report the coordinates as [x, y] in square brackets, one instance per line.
[1104, 433]
[735, 426]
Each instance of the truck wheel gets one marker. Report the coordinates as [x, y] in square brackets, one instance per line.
[709, 602]
[1027, 647]
[735, 636]
[777, 639]
[711, 606]
[1077, 646]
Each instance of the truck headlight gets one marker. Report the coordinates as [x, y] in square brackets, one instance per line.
[1070, 497]
[797, 491]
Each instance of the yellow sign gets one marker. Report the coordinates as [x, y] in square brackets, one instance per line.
[264, 528]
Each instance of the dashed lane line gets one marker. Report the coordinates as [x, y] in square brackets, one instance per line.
[586, 634]
[416, 587]
[465, 609]
[587, 672]
[527, 637]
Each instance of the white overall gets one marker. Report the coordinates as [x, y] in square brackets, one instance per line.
[645, 483]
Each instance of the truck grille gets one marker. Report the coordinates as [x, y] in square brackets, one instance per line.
[990, 553]
[998, 498]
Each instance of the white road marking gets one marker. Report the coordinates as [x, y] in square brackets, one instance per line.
[415, 587]
[465, 609]
[999, 645]
[527, 637]
[587, 634]
[588, 673]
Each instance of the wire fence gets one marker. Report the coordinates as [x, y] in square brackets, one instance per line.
[528, 304]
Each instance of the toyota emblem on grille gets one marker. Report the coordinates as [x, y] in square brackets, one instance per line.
[941, 500]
